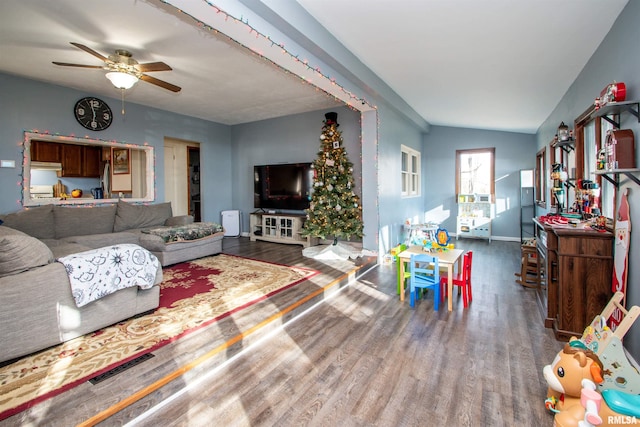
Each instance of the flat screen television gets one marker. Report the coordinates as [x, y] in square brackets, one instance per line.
[283, 186]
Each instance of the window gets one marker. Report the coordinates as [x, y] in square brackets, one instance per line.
[590, 139]
[591, 145]
[475, 171]
[607, 189]
[541, 167]
[410, 172]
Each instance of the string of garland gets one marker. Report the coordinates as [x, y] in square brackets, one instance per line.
[296, 58]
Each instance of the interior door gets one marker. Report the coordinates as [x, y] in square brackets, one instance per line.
[170, 183]
[177, 174]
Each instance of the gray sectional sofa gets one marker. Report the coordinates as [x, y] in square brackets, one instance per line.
[39, 310]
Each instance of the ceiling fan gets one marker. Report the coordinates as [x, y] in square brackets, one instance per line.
[123, 70]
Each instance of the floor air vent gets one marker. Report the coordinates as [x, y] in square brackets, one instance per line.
[121, 368]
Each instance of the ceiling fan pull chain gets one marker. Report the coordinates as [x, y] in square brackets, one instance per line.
[122, 101]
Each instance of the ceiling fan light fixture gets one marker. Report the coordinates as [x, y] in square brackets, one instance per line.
[122, 80]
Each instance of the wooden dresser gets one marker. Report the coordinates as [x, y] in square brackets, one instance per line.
[578, 264]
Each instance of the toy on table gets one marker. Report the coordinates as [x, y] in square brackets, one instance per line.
[419, 234]
[440, 243]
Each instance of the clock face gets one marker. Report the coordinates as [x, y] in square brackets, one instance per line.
[93, 113]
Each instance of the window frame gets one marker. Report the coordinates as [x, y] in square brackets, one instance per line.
[410, 179]
[492, 180]
[540, 178]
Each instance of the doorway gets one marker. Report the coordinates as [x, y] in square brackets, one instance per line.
[182, 177]
[194, 182]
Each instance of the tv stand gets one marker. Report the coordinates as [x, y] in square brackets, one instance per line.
[279, 228]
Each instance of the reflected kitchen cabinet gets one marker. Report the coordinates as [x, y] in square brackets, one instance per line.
[91, 161]
[80, 161]
[45, 151]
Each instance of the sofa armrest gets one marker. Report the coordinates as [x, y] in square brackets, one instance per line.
[179, 220]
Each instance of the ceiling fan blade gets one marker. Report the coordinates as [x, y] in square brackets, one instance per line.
[90, 51]
[66, 64]
[152, 66]
[161, 83]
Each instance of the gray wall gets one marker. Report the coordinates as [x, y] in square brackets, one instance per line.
[290, 139]
[393, 209]
[31, 105]
[513, 152]
[617, 58]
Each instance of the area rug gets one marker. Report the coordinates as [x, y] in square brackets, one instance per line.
[193, 295]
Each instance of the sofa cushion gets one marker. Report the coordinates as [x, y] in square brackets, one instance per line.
[36, 222]
[195, 231]
[61, 248]
[179, 220]
[83, 221]
[20, 252]
[129, 216]
[95, 241]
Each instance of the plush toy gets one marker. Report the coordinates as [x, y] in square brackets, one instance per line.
[572, 395]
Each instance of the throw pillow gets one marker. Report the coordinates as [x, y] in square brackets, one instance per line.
[83, 221]
[130, 216]
[19, 252]
[36, 221]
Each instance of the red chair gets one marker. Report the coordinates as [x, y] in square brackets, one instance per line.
[463, 280]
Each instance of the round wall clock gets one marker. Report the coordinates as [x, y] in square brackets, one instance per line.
[93, 113]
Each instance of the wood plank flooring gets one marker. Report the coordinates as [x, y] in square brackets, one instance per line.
[360, 358]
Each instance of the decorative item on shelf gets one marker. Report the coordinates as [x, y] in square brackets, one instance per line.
[620, 149]
[563, 133]
[559, 176]
[602, 159]
[587, 198]
[599, 223]
[614, 92]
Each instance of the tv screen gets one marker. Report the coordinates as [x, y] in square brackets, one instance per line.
[283, 186]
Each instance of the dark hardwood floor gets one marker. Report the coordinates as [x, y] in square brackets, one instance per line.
[358, 358]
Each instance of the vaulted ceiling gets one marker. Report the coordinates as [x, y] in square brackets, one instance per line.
[493, 64]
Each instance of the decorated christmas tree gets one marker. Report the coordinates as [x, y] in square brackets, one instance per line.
[335, 208]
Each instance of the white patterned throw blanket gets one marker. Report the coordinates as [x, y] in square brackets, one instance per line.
[99, 272]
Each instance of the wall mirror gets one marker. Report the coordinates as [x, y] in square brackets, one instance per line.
[103, 171]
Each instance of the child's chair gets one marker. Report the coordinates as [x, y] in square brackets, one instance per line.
[424, 273]
[529, 275]
[461, 279]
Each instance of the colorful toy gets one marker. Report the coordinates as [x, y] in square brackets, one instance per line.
[442, 237]
[592, 381]
[614, 92]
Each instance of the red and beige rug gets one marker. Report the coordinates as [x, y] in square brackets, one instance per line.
[193, 295]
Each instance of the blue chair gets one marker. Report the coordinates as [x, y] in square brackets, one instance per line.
[424, 273]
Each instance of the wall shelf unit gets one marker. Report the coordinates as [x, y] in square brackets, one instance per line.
[609, 111]
[566, 146]
[613, 176]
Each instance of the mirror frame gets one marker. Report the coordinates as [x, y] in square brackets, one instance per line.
[62, 139]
